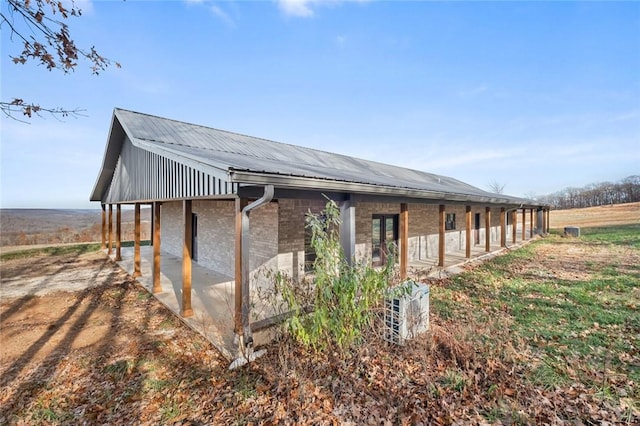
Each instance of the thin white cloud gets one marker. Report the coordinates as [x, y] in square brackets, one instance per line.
[297, 8]
[341, 40]
[223, 16]
[306, 8]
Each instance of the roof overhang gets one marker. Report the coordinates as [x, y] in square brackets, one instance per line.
[316, 184]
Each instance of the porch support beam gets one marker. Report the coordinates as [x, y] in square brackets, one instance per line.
[539, 221]
[503, 227]
[110, 245]
[118, 232]
[241, 203]
[136, 242]
[524, 224]
[441, 235]
[487, 229]
[104, 226]
[548, 220]
[348, 229]
[544, 221]
[514, 226]
[468, 232]
[187, 248]
[531, 223]
[404, 239]
[157, 287]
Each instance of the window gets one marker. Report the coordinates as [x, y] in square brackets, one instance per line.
[384, 232]
[450, 222]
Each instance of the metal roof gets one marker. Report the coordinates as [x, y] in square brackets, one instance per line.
[252, 160]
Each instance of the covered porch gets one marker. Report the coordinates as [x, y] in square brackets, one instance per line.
[212, 295]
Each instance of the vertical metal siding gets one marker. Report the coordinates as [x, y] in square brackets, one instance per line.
[143, 175]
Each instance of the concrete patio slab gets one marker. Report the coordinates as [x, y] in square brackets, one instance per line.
[212, 297]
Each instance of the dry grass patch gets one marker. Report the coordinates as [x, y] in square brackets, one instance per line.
[611, 215]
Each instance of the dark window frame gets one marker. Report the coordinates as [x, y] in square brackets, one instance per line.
[450, 222]
[384, 255]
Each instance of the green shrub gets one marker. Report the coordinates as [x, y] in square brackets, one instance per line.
[335, 308]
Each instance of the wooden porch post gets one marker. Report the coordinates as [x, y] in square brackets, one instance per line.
[531, 223]
[157, 287]
[186, 258]
[240, 204]
[404, 239]
[487, 229]
[503, 227]
[468, 232]
[543, 229]
[514, 226]
[118, 233]
[524, 224]
[548, 220]
[136, 242]
[441, 236]
[104, 226]
[110, 245]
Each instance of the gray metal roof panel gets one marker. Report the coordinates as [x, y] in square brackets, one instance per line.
[246, 153]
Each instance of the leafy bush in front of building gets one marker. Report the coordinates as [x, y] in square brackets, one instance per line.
[338, 303]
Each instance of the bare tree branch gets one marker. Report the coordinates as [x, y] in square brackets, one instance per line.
[47, 41]
[497, 187]
[29, 109]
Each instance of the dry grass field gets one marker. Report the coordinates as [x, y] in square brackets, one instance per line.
[616, 214]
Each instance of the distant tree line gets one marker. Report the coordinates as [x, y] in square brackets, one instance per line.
[626, 190]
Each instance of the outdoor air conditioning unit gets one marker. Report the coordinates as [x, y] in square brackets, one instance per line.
[406, 313]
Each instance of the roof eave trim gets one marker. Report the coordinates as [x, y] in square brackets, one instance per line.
[300, 182]
[108, 165]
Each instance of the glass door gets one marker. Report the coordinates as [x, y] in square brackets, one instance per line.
[384, 232]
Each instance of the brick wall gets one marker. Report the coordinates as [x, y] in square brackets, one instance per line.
[364, 230]
[291, 231]
[216, 233]
[171, 228]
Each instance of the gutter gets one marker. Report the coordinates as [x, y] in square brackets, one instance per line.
[246, 338]
[299, 182]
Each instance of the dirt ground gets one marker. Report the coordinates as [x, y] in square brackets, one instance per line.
[68, 322]
[28, 318]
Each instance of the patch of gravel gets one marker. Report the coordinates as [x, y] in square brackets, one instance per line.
[43, 275]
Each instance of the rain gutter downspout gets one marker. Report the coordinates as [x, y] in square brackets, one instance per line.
[246, 340]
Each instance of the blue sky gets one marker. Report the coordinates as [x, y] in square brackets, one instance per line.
[538, 96]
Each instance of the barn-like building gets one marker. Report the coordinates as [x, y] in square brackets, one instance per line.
[236, 205]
